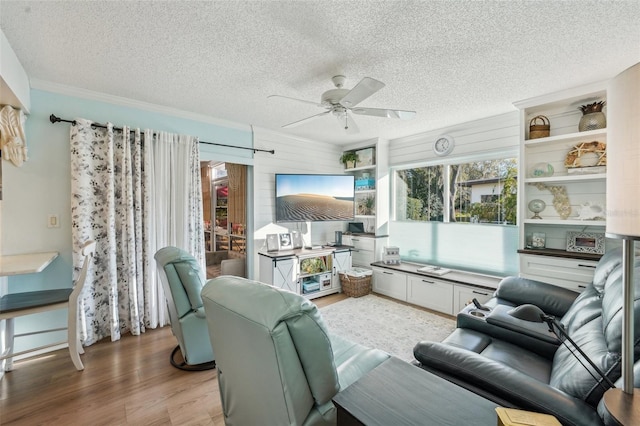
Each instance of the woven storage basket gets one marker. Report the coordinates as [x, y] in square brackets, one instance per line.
[539, 127]
[355, 286]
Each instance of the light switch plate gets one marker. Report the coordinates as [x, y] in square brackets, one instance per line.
[53, 221]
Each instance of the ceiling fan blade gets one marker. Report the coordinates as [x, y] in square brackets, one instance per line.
[388, 113]
[295, 99]
[367, 87]
[295, 123]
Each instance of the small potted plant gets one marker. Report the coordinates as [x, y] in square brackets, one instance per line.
[369, 205]
[349, 159]
[366, 205]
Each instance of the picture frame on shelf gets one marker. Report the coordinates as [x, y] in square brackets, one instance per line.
[365, 157]
[285, 242]
[585, 242]
[272, 242]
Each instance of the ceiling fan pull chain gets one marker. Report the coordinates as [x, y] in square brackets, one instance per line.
[346, 121]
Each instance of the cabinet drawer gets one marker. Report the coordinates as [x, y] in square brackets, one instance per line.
[363, 243]
[363, 258]
[573, 274]
[462, 296]
[389, 283]
[431, 293]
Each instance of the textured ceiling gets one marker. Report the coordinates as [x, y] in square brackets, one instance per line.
[451, 62]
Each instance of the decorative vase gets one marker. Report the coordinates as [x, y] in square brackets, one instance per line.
[593, 118]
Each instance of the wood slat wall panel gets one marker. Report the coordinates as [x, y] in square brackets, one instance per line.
[477, 137]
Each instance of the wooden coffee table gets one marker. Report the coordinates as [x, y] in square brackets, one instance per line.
[399, 393]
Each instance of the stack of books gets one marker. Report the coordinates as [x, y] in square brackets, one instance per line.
[435, 270]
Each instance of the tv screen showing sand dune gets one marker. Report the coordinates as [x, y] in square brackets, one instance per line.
[314, 198]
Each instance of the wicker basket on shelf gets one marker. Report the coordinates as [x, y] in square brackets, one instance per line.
[539, 127]
[354, 286]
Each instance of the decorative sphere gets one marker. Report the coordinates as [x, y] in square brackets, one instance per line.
[536, 206]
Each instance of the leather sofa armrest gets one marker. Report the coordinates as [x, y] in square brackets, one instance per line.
[500, 317]
[505, 383]
[552, 299]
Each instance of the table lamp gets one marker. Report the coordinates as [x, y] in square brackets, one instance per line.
[623, 219]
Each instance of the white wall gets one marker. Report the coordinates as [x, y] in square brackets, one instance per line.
[473, 139]
[292, 155]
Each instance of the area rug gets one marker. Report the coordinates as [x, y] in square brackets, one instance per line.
[381, 323]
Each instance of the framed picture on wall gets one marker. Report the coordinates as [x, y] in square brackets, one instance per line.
[285, 242]
[585, 242]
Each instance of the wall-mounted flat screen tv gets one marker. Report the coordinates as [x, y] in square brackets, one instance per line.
[313, 198]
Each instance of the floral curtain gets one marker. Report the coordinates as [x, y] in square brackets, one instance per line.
[133, 193]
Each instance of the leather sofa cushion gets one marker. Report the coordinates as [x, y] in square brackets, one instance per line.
[586, 307]
[607, 264]
[185, 279]
[552, 299]
[513, 356]
[569, 376]
[353, 360]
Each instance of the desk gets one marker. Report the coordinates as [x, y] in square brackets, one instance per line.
[18, 264]
[398, 393]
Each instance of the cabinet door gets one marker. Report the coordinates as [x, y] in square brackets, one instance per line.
[431, 293]
[462, 296]
[284, 274]
[389, 283]
[573, 274]
[341, 262]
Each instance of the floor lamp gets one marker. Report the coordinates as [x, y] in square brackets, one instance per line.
[623, 221]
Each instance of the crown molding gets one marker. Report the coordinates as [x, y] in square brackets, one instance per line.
[132, 103]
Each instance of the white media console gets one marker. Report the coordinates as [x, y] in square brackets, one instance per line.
[309, 272]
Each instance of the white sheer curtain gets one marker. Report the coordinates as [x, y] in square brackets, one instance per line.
[133, 194]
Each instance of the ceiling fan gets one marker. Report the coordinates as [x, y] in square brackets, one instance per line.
[340, 102]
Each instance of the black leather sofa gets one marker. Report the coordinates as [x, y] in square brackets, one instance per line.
[518, 363]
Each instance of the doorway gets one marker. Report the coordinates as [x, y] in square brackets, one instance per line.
[224, 198]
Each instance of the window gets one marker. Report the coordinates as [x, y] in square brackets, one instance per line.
[475, 192]
[420, 194]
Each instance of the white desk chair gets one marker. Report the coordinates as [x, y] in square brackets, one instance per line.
[19, 304]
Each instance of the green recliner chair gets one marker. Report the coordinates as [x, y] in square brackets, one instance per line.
[277, 362]
[182, 280]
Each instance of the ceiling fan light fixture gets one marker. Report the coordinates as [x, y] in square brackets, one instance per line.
[339, 102]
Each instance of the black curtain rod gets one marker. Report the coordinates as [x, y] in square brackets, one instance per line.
[54, 119]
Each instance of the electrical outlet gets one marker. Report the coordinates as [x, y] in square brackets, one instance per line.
[53, 221]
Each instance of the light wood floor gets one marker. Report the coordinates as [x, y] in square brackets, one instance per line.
[128, 382]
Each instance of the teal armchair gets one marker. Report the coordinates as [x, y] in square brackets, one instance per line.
[277, 362]
[182, 281]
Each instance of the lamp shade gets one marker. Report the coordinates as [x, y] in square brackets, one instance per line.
[623, 155]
